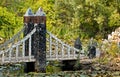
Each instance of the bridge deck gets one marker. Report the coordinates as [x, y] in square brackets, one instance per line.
[18, 59]
[65, 57]
[32, 59]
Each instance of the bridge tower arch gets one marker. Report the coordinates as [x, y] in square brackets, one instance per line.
[29, 25]
[38, 43]
[40, 40]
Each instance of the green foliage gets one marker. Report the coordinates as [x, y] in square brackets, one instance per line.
[67, 19]
[113, 50]
[108, 50]
[53, 66]
[13, 69]
[8, 23]
[82, 73]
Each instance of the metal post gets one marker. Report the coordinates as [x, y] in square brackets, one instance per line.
[40, 41]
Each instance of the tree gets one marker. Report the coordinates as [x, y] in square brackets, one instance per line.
[66, 18]
[8, 23]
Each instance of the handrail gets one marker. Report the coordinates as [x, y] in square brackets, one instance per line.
[22, 40]
[13, 38]
[53, 36]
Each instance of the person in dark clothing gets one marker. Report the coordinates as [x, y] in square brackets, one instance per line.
[92, 48]
[92, 52]
[78, 44]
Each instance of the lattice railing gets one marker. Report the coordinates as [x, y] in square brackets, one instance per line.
[16, 53]
[17, 37]
[15, 50]
[57, 50]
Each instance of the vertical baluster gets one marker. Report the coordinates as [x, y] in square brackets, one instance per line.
[17, 50]
[50, 45]
[68, 52]
[74, 53]
[18, 37]
[3, 57]
[71, 52]
[30, 47]
[23, 50]
[65, 51]
[56, 49]
[62, 50]
[10, 53]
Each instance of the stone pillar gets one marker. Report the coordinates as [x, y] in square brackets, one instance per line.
[40, 41]
[29, 25]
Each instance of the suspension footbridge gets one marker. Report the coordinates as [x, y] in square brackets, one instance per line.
[34, 43]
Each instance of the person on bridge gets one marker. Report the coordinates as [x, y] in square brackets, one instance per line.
[92, 52]
[92, 48]
[78, 44]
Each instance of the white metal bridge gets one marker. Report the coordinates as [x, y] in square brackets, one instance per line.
[13, 50]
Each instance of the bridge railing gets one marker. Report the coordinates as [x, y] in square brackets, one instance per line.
[16, 53]
[12, 41]
[58, 50]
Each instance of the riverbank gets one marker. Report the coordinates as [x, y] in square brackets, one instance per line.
[98, 64]
[81, 73]
[87, 68]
